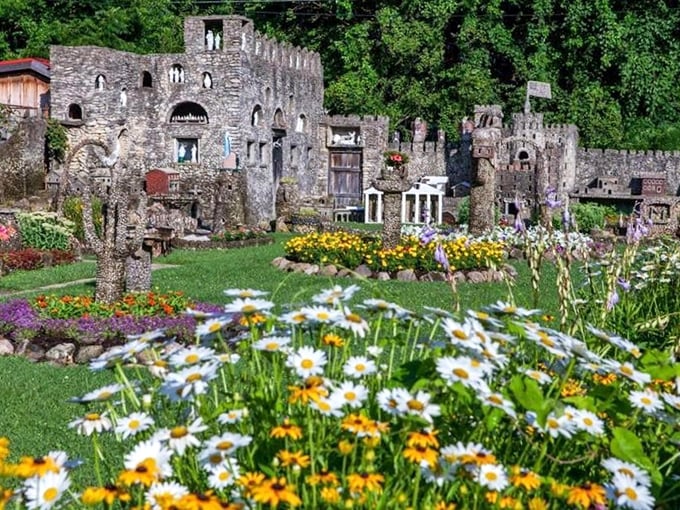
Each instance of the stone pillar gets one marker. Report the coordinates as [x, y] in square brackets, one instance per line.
[138, 270]
[485, 140]
[392, 185]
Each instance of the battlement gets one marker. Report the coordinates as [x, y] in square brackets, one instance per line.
[626, 153]
[348, 120]
[417, 147]
[282, 53]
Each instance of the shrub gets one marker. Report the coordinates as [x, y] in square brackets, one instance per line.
[240, 233]
[26, 259]
[589, 215]
[464, 210]
[45, 230]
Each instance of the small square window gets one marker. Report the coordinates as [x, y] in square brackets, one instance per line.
[186, 150]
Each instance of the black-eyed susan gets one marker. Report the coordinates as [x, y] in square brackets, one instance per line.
[293, 459]
[360, 482]
[199, 501]
[537, 504]
[330, 495]
[423, 437]
[332, 340]
[108, 494]
[148, 462]
[323, 477]
[286, 430]
[312, 389]
[275, 491]
[250, 480]
[587, 495]
[524, 478]
[421, 454]
[39, 466]
[345, 447]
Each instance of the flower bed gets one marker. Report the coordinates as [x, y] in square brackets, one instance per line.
[352, 250]
[84, 328]
[369, 405]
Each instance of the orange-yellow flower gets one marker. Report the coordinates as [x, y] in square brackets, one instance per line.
[286, 429]
[275, 491]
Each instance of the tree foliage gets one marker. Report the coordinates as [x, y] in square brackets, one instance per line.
[614, 65]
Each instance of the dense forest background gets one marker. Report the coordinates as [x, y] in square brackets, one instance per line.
[614, 65]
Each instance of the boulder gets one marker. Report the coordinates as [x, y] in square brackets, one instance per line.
[476, 277]
[61, 353]
[363, 270]
[87, 353]
[6, 347]
[328, 270]
[383, 275]
[407, 275]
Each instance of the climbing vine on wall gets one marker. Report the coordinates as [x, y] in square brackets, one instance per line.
[56, 140]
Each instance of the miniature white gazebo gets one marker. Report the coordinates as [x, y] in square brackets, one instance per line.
[420, 204]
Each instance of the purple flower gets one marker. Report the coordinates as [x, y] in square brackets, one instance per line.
[612, 299]
[623, 283]
[427, 234]
[551, 199]
[441, 257]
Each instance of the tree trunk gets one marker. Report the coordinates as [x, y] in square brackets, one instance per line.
[110, 280]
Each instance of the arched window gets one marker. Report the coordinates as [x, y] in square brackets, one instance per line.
[279, 119]
[301, 124]
[207, 81]
[189, 112]
[176, 74]
[523, 155]
[268, 95]
[75, 112]
[100, 82]
[257, 117]
[147, 81]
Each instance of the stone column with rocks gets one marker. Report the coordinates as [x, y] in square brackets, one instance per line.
[392, 184]
[485, 139]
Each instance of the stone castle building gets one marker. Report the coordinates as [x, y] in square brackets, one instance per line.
[225, 121]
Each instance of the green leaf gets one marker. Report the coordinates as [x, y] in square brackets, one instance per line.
[627, 446]
[527, 392]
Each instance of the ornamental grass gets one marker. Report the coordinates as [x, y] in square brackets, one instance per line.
[371, 406]
[351, 250]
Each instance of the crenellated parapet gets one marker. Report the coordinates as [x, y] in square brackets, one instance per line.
[282, 54]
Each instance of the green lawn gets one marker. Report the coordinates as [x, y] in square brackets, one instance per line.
[34, 408]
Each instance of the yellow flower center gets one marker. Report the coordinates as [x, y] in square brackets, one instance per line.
[459, 372]
[631, 494]
[359, 367]
[214, 328]
[626, 472]
[271, 346]
[92, 416]
[460, 334]
[196, 376]
[50, 494]
[300, 317]
[495, 399]
[491, 476]
[587, 421]
[104, 395]
[224, 445]
[626, 370]
[306, 364]
[415, 405]
[322, 316]
[134, 424]
[215, 458]
[646, 401]
[178, 432]
[350, 396]
[192, 358]
[224, 476]
[248, 309]
[353, 317]
[324, 406]
[553, 423]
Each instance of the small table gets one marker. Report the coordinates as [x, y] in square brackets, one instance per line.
[342, 214]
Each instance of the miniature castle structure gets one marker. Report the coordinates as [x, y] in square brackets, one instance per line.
[228, 119]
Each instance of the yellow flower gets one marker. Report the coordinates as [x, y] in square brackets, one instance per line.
[250, 480]
[275, 491]
[35, 466]
[333, 340]
[108, 495]
[526, 479]
[586, 495]
[330, 495]
[423, 437]
[146, 473]
[293, 458]
[360, 482]
[324, 477]
[345, 447]
[537, 504]
[286, 429]
[419, 454]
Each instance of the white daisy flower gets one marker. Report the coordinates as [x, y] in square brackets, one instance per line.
[460, 333]
[91, 422]
[353, 395]
[352, 322]
[492, 476]
[461, 369]
[617, 466]
[149, 336]
[233, 416]
[647, 400]
[212, 326]
[358, 367]
[218, 449]
[389, 398]
[336, 295]
[439, 474]
[271, 343]
[294, 318]
[538, 376]
[189, 382]
[554, 344]
[331, 406]
[161, 494]
[181, 437]
[419, 405]
[248, 306]
[102, 394]
[223, 475]
[559, 426]
[191, 356]
[307, 361]
[149, 451]
[626, 492]
[245, 293]
[320, 314]
[505, 308]
[459, 452]
[133, 424]
[374, 351]
[497, 400]
[44, 492]
[628, 370]
[588, 421]
[671, 400]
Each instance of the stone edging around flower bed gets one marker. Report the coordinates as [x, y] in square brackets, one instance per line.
[187, 244]
[363, 271]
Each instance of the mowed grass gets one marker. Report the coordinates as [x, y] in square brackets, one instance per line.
[34, 410]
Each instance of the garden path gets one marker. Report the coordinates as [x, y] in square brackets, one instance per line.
[73, 282]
